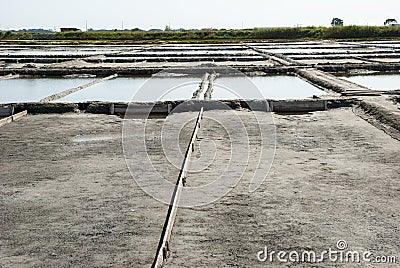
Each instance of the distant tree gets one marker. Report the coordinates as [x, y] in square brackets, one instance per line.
[390, 21]
[337, 22]
[167, 28]
[34, 31]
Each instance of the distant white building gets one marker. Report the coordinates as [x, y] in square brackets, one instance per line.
[391, 22]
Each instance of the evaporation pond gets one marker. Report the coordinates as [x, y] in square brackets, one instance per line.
[35, 89]
[377, 82]
[281, 87]
[138, 89]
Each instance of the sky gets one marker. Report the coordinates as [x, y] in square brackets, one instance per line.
[219, 14]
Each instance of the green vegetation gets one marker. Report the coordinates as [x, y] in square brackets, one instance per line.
[305, 33]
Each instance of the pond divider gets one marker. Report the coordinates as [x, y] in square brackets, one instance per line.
[9, 76]
[73, 90]
[278, 58]
[163, 246]
[210, 89]
[197, 93]
[12, 118]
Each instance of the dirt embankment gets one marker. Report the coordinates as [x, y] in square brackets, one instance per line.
[380, 118]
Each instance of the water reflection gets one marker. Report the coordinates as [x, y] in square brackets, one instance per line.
[35, 89]
[269, 87]
[377, 82]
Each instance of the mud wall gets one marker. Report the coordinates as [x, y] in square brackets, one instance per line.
[105, 107]
[142, 71]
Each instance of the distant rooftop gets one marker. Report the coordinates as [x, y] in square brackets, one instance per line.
[70, 30]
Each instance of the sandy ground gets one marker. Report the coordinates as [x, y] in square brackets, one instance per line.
[68, 199]
[335, 177]
[83, 64]
[388, 60]
[329, 61]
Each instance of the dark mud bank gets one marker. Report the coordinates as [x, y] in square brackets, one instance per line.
[181, 106]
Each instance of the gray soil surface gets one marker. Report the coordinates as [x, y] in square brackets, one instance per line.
[334, 177]
[68, 199]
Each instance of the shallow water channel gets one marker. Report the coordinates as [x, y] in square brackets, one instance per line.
[146, 89]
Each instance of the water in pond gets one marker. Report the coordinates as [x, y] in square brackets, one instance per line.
[198, 52]
[61, 51]
[35, 89]
[268, 87]
[141, 89]
[25, 53]
[324, 50]
[377, 82]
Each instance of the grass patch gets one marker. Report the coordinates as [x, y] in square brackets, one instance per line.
[203, 36]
